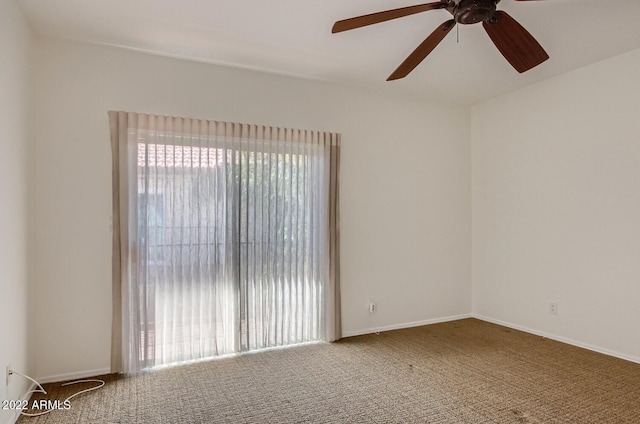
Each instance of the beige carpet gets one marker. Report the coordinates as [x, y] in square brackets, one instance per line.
[465, 371]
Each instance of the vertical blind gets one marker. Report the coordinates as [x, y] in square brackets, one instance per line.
[226, 238]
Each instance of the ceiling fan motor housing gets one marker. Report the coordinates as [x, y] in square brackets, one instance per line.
[473, 11]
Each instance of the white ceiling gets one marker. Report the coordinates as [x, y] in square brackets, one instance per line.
[293, 37]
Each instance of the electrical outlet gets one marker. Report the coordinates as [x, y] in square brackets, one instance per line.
[372, 305]
[8, 374]
[553, 308]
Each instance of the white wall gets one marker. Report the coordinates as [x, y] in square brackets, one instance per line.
[15, 45]
[405, 188]
[555, 195]
[556, 206]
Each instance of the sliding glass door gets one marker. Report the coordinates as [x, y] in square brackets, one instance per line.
[226, 238]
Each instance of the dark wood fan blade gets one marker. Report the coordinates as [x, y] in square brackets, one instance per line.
[374, 18]
[422, 51]
[515, 43]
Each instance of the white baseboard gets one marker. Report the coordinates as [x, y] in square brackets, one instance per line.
[599, 349]
[555, 337]
[73, 375]
[405, 325]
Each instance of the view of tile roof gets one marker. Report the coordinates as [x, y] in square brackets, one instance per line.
[179, 156]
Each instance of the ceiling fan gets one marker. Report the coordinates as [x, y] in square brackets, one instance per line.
[515, 43]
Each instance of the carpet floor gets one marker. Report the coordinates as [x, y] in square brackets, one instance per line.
[466, 371]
